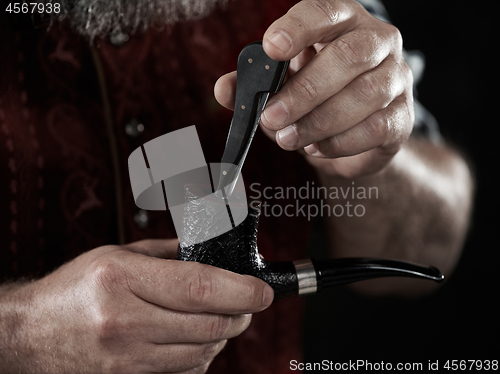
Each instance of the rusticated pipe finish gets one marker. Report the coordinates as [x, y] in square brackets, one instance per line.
[236, 250]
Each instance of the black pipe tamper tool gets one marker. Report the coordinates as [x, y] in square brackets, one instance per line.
[236, 250]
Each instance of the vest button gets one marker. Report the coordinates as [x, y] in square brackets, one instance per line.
[134, 128]
[141, 219]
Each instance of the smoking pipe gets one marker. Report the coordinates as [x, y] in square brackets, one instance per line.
[236, 250]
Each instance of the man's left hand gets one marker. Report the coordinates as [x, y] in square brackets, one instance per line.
[347, 103]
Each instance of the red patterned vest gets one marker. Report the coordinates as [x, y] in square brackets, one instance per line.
[61, 167]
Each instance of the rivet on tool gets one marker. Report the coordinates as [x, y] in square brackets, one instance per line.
[267, 67]
[242, 107]
[250, 60]
[224, 172]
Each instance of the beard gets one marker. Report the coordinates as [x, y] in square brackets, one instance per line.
[101, 18]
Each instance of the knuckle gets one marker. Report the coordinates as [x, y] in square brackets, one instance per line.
[396, 36]
[107, 322]
[325, 8]
[107, 325]
[201, 286]
[404, 116]
[358, 8]
[112, 364]
[203, 369]
[316, 122]
[368, 87]
[350, 51]
[246, 319]
[219, 326]
[304, 89]
[409, 109]
[395, 80]
[407, 73]
[333, 147]
[377, 127]
[108, 274]
[208, 351]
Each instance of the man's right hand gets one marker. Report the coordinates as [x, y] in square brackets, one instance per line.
[131, 309]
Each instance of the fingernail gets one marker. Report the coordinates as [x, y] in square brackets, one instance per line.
[268, 296]
[281, 40]
[276, 114]
[288, 136]
[312, 149]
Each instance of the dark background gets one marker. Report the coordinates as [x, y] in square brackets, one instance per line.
[461, 320]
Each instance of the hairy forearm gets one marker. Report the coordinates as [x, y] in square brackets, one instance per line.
[418, 211]
[31, 340]
[15, 300]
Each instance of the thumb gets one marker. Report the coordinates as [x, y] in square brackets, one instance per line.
[160, 248]
[225, 90]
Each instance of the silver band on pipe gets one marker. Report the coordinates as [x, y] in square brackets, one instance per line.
[306, 276]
